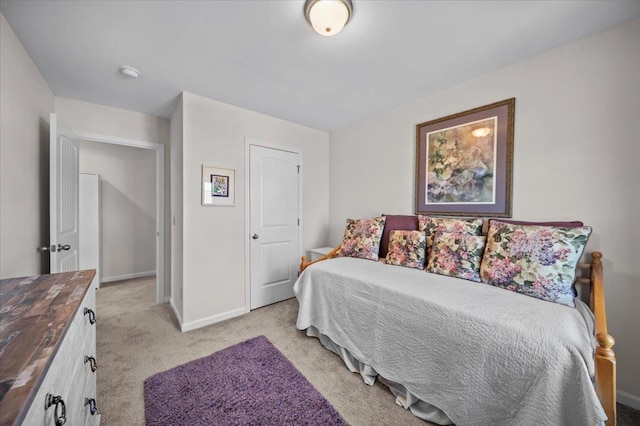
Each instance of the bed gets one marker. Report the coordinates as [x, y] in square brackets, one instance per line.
[455, 351]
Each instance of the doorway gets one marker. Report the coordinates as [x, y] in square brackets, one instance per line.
[158, 149]
[273, 192]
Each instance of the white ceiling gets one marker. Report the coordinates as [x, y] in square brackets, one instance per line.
[264, 56]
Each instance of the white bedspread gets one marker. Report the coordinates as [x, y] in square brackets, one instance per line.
[483, 355]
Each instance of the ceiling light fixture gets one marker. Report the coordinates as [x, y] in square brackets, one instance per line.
[328, 17]
[129, 72]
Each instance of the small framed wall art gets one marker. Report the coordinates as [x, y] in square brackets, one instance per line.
[464, 162]
[218, 186]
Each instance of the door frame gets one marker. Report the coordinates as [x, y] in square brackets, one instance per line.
[247, 207]
[161, 297]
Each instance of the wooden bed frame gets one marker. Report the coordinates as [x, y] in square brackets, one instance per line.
[605, 358]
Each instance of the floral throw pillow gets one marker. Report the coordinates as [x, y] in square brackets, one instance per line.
[538, 261]
[362, 238]
[456, 254]
[431, 225]
[407, 248]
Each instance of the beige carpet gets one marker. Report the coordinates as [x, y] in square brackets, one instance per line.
[138, 338]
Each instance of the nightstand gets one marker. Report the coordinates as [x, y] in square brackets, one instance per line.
[317, 253]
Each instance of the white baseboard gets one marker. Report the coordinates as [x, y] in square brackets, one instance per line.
[127, 276]
[176, 312]
[630, 400]
[213, 319]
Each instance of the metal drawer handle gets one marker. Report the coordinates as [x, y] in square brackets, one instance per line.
[92, 315]
[92, 362]
[50, 400]
[92, 405]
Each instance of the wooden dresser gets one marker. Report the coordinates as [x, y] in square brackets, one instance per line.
[48, 350]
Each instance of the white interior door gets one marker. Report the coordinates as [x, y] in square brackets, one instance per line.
[274, 224]
[63, 198]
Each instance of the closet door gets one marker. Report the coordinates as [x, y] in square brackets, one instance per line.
[274, 204]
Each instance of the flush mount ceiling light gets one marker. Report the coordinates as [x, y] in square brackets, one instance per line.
[328, 17]
[129, 72]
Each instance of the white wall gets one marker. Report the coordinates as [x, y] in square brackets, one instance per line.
[214, 237]
[120, 123]
[177, 132]
[25, 104]
[128, 207]
[105, 120]
[576, 157]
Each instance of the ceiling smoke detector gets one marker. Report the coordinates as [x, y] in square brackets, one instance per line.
[129, 72]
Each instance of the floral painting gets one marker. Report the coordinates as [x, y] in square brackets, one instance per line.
[460, 162]
[464, 162]
[219, 186]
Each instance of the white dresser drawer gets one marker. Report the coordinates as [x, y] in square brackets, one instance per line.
[68, 376]
[89, 392]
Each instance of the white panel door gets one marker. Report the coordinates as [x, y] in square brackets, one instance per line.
[63, 198]
[274, 224]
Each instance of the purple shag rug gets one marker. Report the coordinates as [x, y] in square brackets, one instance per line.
[250, 383]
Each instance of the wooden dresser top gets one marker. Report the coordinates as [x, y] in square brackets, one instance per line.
[35, 313]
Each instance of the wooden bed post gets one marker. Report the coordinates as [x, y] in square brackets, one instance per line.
[605, 358]
[303, 261]
[303, 264]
